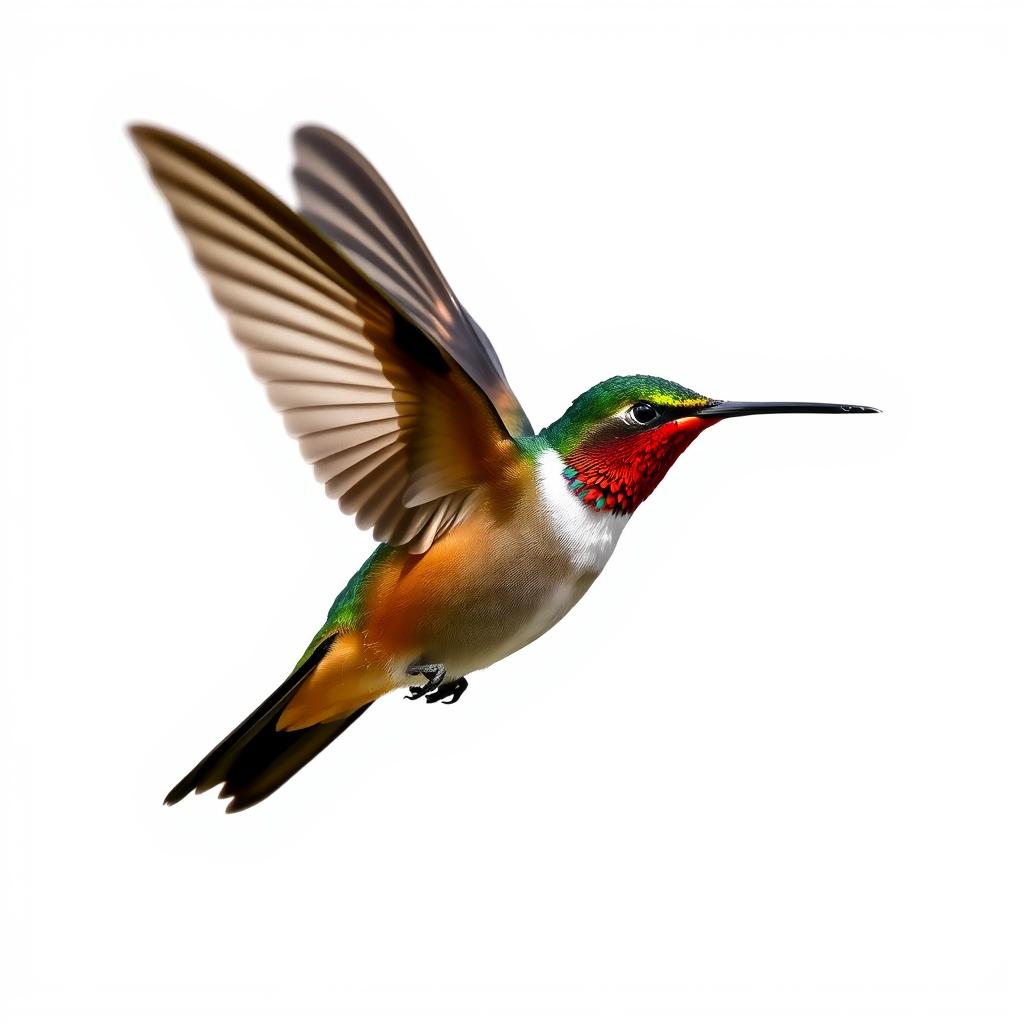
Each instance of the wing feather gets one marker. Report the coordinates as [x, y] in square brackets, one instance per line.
[345, 198]
[397, 432]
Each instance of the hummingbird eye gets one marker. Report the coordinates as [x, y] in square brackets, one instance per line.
[643, 413]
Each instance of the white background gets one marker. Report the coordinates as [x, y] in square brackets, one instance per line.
[770, 769]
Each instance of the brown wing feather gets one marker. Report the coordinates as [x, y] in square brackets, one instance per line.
[397, 432]
[344, 197]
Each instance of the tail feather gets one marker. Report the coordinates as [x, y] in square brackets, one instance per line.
[271, 758]
[256, 759]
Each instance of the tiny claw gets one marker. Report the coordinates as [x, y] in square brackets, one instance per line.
[434, 674]
[452, 690]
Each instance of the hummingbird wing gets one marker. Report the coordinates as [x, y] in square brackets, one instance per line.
[345, 198]
[396, 430]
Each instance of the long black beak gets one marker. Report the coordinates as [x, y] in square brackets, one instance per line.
[725, 409]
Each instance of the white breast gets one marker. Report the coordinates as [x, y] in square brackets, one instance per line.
[587, 536]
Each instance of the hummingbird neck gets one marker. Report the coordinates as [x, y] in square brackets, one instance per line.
[617, 474]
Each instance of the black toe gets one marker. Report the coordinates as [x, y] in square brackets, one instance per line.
[452, 690]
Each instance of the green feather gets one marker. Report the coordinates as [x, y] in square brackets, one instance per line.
[609, 398]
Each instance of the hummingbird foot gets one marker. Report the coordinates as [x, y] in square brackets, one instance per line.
[453, 688]
[434, 675]
[436, 688]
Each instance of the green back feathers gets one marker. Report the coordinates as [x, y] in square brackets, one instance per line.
[609, 398]
[347, 611]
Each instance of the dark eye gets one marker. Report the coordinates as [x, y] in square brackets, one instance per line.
[643, 413]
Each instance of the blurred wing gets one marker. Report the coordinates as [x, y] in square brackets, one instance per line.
[348, 201]
[395, 429]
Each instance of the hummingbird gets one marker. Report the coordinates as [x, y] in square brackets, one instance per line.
[489, 532]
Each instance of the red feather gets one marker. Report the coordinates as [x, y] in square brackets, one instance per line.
[624, 471]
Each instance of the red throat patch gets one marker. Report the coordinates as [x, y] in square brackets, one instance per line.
[617, 475]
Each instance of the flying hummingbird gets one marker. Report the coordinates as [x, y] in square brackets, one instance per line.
[489, 532]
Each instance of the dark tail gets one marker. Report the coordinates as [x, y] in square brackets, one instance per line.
[255, 759]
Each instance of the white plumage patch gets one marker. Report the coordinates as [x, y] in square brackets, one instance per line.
[587, 536]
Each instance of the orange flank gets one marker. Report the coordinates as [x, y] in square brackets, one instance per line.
[454, 605]
[342, 682]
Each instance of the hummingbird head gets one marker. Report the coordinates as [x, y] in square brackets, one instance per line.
[619, 439]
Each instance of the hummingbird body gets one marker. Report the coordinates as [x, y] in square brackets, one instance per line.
[490, 533]
[493, 584]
